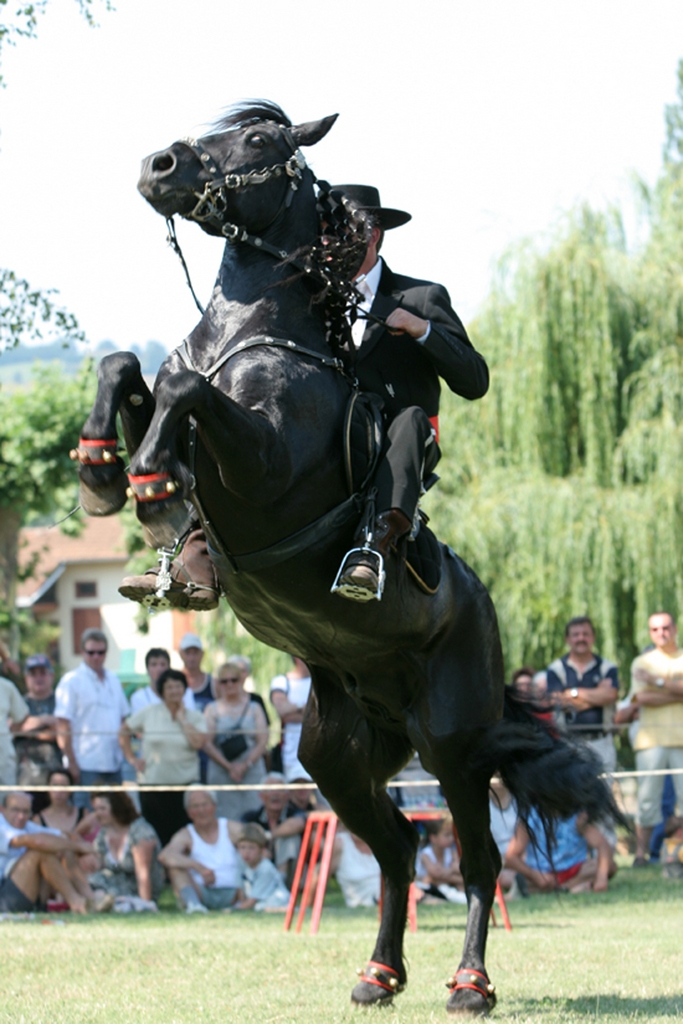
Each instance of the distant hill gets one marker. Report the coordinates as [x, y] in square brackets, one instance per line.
[16, 363]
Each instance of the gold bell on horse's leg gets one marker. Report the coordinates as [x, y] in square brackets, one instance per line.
[108, 456]
[73, 454]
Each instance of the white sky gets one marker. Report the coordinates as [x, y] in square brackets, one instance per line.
[484, 119]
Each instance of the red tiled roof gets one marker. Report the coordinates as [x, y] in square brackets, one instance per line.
[100, 540]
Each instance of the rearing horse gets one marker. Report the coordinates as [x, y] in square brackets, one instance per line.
[246, 423]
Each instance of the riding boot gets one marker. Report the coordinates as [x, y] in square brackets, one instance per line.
[194, 585]
[361, 576]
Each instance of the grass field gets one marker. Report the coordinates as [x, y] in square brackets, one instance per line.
[615, 957]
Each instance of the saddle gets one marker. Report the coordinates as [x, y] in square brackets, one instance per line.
[363, 438]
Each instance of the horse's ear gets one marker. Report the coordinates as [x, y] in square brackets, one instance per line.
[312, 131]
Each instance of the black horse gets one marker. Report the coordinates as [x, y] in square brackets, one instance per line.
[246, 422]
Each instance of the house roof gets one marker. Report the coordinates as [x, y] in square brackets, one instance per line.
[101, 540]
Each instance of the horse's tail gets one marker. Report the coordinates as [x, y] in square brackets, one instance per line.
[545, 771]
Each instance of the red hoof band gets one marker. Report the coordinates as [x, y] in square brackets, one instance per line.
[380, 974]
[94, 453]
[151, 486]
[469, 978]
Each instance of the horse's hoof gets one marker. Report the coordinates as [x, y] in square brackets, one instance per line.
[109, 497]
[377, 986]
[163, 522]
[472, 994]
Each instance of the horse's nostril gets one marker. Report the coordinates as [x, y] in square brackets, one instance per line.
[164, 162]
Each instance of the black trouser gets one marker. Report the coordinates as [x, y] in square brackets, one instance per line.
[410, 454]
[165, 812]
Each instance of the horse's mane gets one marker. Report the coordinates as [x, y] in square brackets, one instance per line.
[250, 112]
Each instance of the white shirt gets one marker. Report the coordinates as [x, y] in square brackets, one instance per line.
[9, 855]
[14, 707]
[367, 285]
[296, 691]
[145, 696]
[94, 708]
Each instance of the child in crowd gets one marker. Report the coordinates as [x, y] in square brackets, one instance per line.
[261, 885]
[438, 863]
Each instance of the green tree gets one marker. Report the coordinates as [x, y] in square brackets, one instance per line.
[37, 430]
[563, 487]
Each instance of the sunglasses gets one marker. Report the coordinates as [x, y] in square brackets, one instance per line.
[230, 679]
[100, 654]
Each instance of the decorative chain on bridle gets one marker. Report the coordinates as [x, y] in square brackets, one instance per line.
[333, 258]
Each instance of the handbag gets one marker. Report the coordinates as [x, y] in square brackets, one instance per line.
[234, 743]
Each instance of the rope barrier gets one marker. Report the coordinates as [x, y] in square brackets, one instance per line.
[127, 787]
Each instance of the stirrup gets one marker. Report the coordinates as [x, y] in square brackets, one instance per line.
[353, 590]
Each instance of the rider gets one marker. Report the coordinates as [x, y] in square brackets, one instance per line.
[413, 339]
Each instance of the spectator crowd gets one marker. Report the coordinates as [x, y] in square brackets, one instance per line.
[236, 849]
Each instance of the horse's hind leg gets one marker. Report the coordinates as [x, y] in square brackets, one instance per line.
[120, 388]
[351, 762]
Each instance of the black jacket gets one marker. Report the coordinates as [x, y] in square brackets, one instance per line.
[389, 363]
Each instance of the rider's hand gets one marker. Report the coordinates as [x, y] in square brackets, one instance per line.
[400, 321]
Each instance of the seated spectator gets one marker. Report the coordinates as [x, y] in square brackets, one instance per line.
[62, 815]
[522, 682]
[438, 863]
[127, 848]
[568, 866]
[35, 743]
[358, 873]
[261, 885]
[171, 739]
[201, 859]
[31, 856]
[237, 732]
[157, 660]
[303, 800]
[672, 848]
[503, 818]
[289, 695]
[13, 712]
[283, 822]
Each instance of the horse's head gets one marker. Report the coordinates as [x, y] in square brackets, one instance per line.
[243, 174]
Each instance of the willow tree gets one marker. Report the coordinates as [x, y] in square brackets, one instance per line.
[563, 487]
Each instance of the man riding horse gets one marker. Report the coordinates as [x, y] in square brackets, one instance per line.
[412, 337]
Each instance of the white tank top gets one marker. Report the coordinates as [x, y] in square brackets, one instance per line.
[220, 856]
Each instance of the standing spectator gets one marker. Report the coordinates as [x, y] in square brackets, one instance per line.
[13, 712]
[157, 660]
[171, 739]
[90, 708]
[238, 736]
[261, 885]
[283, 821]
[586, 687]
[35, 743]
[288, 695]
[191, 652]
[657, 690]
[201, 859]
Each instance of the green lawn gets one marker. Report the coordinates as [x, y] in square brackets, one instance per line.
[615, 956]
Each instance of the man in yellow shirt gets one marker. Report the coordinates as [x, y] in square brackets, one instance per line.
[657, 690]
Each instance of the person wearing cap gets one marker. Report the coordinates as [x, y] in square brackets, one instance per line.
[13, 712]
[191, 651]
[413, 339]
[35, 743]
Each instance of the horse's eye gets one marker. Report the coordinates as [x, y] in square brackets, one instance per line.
[257, 140]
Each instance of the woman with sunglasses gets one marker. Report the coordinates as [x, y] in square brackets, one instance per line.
[237, 733]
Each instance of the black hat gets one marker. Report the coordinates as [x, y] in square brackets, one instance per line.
[367, 198]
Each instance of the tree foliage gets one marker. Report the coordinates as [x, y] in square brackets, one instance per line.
[562, 487]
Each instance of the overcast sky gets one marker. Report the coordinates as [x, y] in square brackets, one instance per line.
[484, 120]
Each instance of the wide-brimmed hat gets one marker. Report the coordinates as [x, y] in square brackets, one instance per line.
[367, 198]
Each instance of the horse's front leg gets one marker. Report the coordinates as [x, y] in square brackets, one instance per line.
[243, 446]
[120, 388]
[351, 761]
